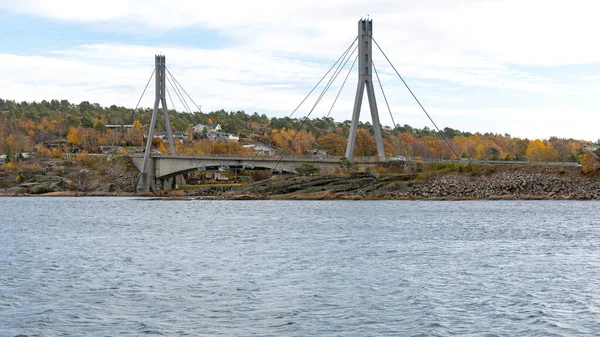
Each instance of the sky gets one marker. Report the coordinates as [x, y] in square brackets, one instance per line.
[528, 68]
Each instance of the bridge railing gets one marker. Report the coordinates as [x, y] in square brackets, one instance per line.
[263, 157]
[520, 162]
[356, 160]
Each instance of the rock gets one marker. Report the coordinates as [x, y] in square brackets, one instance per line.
[107, 188]
[13, 191]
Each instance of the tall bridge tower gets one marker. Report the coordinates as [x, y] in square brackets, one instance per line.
[365, 80]
[160, 92]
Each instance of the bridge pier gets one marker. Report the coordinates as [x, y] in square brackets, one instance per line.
[143, 184]
[365, 81]
[162, 168]
[148, 182]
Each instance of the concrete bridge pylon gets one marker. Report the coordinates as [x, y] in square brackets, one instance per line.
[365, 80]
[144, 183]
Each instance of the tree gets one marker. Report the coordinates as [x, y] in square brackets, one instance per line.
[365, 145]
[588, 163]
[335, 145]
[73, 136]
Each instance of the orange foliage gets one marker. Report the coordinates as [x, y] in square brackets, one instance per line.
[335, 145]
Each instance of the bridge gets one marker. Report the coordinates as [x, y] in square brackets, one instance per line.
[164, 170]
[167, 169]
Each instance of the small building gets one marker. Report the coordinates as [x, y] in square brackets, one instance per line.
[215, 135]
[3, 159]
[207, 127]
[214, 176]
[117, 126]
[261, 149]
[590, 148]
[110, 149]
[320, 153]
[180, 136]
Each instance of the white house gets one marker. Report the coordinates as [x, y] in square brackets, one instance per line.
[176, 136]
[116, 126]
[590, 148]
[208, 128]
[261, 149]
[215, 135]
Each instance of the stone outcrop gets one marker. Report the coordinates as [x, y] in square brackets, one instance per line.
[515, 185]
[502, 185]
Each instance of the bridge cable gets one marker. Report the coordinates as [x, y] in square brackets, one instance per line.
[388, 106]
[338, 94]
[343, 83]
[383, 92]
[322, 78]
[133, 115]
[171, 99]
[330, 82]
[311, 91]
[179, 95]
[178, 88]
[186, 107]
[417, 100]
[182, 88]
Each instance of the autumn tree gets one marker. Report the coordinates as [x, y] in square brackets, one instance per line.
[540, 151]
[335, 145]
[365, 144]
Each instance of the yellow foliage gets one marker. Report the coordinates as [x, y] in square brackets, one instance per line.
[137, 126]
[540, 151]
[43, 153]
[588, 163]
[83, 159]
[162, 148]
[57, 153]
[480, 152]
[73, 136]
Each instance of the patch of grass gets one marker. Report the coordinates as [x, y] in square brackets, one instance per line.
[490, 170]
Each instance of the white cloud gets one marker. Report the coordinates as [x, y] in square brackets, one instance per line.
[277, 50]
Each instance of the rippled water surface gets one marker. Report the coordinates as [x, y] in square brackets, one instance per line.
[117, 266]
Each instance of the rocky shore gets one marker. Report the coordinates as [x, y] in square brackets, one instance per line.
[64, 177]
[537, 183]
[442, 182]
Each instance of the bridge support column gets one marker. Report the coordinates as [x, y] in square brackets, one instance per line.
[146, 181]
[143, 184]
[160, 77]
[365, 80]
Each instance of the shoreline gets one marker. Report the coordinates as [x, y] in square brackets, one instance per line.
[451, 182]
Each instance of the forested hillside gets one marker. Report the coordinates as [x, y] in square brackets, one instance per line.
[25, 126]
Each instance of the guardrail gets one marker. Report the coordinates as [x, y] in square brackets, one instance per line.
[356, 160]
[520, 162]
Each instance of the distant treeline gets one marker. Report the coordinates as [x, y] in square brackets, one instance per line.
[24, 126]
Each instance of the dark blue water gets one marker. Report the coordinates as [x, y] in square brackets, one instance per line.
[115, 266]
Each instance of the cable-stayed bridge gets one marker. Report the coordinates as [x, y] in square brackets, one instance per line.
[168, 166]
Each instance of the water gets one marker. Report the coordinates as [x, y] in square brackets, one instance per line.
[116, 266]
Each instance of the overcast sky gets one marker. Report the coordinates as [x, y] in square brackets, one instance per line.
[527, 68]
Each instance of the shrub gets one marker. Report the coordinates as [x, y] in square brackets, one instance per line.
[258, 175]
[83, 159]
[307, 169]
[42, 189]
[345, 164]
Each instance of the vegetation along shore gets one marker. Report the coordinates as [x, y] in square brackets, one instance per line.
[60, 148]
